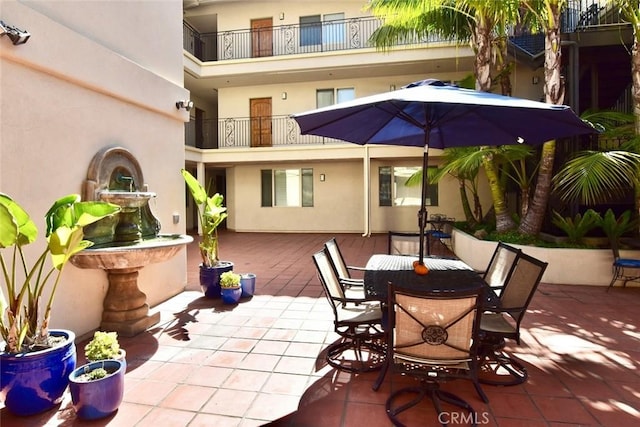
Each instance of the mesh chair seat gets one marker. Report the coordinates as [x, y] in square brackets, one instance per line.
[342, 269]
[433, 338]
[496, 323]
[501, 266]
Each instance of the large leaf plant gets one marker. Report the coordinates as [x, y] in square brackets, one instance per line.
[211, 213]
[22, 326]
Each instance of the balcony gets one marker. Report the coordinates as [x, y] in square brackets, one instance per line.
[246, 132]
[328, 36]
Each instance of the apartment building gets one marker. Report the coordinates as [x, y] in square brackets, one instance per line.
[249, 65]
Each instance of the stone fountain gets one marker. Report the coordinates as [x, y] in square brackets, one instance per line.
[126, 242]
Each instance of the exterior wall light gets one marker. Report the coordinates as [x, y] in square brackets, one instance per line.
[186, 104]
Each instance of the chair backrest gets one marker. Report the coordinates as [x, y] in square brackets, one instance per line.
[501, 265]
[328, 279]
[433, 328]
[400, 243]
[521, 286]
[333, 251]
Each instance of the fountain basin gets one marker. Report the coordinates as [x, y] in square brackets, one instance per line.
[125, 308]
[132, 199]
[149, 251]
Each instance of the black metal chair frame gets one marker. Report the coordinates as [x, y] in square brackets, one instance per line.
[620, 265]
[408, 237]
[434, 351]
[356, 320]
[503, 322]
[441, 231]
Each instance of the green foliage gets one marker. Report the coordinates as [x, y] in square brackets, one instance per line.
[614, 227]
[96, 374]
[104, 345]
[22, 326]
[229, 279]
[578, 226]
[211, 213]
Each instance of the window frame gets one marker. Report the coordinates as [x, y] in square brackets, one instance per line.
[387, 194]
[269, 187]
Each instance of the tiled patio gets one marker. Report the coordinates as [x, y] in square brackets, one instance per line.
[260, 362]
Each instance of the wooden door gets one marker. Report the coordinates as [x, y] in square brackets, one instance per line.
[260, 122]
[261, 37]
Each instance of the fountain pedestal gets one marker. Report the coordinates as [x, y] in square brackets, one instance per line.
[125, 308]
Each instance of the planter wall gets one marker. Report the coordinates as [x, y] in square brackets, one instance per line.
[566, 266]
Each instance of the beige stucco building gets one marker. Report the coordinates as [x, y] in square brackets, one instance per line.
[250, 65]
[92, 75]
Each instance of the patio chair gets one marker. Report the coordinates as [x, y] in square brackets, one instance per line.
[342, 269]
[500, 267]
[400, 243]
[357, 321]
[503, 322]
[433, 338]
[621, 267]
[441, 231]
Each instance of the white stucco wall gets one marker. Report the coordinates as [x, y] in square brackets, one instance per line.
[92, 75]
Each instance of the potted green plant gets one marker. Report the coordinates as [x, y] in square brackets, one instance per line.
[211, 213]
[36, 361]
[104, 345]
[97, 388]
[230, 288]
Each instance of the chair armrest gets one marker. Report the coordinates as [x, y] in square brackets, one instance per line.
[352, 282]
[351, 267]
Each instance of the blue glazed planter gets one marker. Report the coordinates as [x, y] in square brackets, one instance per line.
[35, 382]
[99, 398]
[248, 283]
[231, 295]
[210, 278]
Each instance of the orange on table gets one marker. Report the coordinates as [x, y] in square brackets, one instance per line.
[420, 269]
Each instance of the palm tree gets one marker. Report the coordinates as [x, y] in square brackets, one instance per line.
[593, 176]
[630, 9]
[482, 23]
[546, 14]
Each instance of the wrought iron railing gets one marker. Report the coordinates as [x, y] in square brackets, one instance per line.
[246, 132]
[328, 36]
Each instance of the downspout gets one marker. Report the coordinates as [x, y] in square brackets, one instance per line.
[367, 191]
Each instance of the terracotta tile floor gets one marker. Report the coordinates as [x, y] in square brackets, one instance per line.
[257, 363]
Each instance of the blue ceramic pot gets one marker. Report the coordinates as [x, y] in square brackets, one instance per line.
[231, 295]
[210, 278]
[35, 382]
[98, 398]
[248, 284]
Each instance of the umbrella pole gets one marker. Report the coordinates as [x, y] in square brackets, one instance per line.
[422, 213]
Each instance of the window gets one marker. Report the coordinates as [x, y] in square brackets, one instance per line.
[394, 192]
[287, 187]
[318, 30]
[333, 29]
[310, 30]
[326, 97]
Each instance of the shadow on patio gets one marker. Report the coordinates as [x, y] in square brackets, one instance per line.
[258, 363]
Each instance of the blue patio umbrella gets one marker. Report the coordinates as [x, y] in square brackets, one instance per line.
[429, 113]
